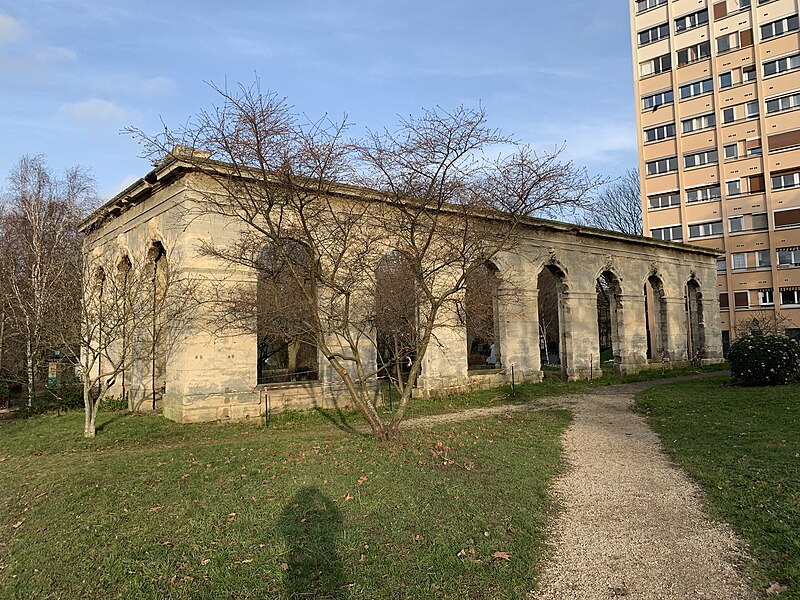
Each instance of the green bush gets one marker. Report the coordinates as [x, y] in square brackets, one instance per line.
[758, 359]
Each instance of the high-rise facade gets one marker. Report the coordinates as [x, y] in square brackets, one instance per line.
[717, 88]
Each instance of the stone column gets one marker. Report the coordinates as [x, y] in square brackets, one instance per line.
[676, 328]
[519, 334]
[632, 331]
[444, 366]
[581, 350]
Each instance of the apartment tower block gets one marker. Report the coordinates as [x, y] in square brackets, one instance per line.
[717, 88]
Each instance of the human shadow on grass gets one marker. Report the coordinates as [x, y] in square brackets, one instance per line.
[311, 525]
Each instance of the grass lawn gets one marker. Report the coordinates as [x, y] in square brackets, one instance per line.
[743, 446]
[151, 509]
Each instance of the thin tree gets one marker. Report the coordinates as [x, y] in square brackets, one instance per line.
[428, 189]
[41, 237]
[619, 205]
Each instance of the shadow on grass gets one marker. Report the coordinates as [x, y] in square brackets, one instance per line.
[338, 418]
[311, 525]
[116, 416]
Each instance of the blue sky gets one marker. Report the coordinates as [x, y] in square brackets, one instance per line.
[74, 72]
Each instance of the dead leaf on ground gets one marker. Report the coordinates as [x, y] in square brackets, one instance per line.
[155, 508]
[362, 559]
[205, 561]
[18, 524]
[501, 555]
[347, 498]
[285, 566]
[776, 589]
[362, 480]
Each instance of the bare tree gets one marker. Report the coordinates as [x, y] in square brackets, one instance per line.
[426, 190]
[619, 205]
[763, 321]
[40, 237]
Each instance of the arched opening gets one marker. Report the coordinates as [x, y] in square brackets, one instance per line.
[481, 316]
[609, 311]
[285, 297]
[395, 315]
[695, 324]
[656, 318]
[550, 284]
[124, 272]
[158, 357]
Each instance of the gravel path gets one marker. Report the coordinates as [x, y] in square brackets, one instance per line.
[631, 522]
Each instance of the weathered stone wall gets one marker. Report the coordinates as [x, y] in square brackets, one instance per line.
[211, 374]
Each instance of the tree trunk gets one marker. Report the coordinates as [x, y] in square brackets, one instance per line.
[30, 370]
[90, 414]
[2, 333]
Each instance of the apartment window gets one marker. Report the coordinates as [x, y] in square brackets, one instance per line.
[766, 297]
[703, 194]
[789, 217]
[668, 234]
[730, 151]
[748, 74]
[744, 4]
[655, 100]
[661, 132]
[698, 123]
[691, 21]
[754, 151]
[790, 297]
[755, 183]
[657, 65]
[781, 65]
[733, 187]
[760, 222]
[783, 103]
[738, 261]
[694, 53]
[643, 5]
[728, 42]
[662, 165]
[741, 299]
[779, 27]
[763, 258]
[728, 115]
[789, 257]
[725, 80]
[721, 264]
[785, 181]
[698, 159]
[723, 301]
[751, 109]
[735, 225]
[664, 200]
[705, 229]
[697, 88]
[648, 36]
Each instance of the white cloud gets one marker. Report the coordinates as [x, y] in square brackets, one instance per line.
[10, 30]
[98, 114]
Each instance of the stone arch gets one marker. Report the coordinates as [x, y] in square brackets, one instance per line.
[610, 312]
[695, 319]
[157, 262]
[396, 315]
[481, 316]
[124, 273]
[658, 342]
[285, 290]
[552, 285]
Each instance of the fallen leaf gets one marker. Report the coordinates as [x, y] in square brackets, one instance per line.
[418, 538]
[247, 561]
[348, 498]
[231, 517]
[486, 534]
[776, 589]
[285, 566]
[362, 480]
[502, 555]
[362, 560]
[155, 508]
[205, 561]
[18, 524]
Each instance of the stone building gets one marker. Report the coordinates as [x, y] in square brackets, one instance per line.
[661, 300]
